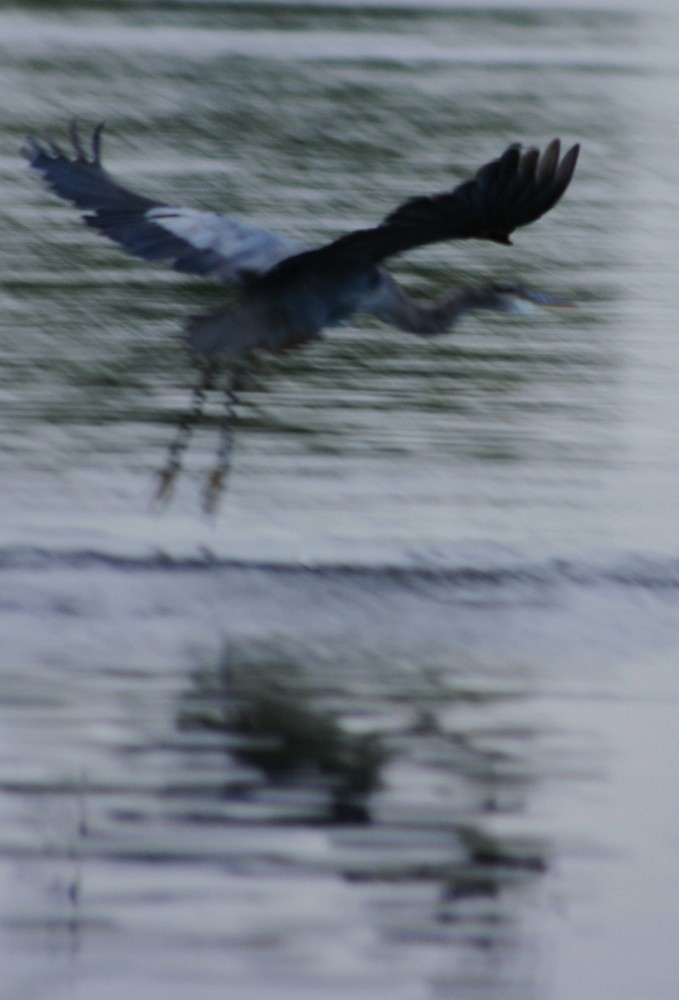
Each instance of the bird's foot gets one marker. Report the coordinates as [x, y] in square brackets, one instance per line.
[165, 481]
[214, 489]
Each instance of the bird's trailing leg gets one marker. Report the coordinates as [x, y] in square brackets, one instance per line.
[216, 479]
[168, 474]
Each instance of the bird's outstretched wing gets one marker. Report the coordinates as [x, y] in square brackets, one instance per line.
[196, 242]
[511, 191]
[505, 194]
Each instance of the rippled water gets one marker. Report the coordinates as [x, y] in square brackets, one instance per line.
[402, 719]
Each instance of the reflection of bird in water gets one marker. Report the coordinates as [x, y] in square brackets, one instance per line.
[289, 294]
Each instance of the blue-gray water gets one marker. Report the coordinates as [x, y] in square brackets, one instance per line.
[403, 719]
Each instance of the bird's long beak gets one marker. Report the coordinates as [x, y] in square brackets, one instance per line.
[522, 301]
[547, 301]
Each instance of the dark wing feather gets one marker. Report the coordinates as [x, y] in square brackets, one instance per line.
[196, 242]
[118, 212]
[511, 191]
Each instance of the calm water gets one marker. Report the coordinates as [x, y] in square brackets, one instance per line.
[403, 720]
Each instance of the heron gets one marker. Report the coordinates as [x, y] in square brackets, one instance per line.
[289, 293]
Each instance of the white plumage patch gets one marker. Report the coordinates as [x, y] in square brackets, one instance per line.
[245, 249]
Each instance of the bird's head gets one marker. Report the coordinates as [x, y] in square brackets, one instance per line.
[507, 297]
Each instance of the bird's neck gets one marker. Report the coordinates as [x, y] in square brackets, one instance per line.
[441, 316]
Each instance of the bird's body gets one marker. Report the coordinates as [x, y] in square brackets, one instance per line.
[288, 293]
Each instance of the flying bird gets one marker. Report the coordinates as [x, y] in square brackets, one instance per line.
[288, 293]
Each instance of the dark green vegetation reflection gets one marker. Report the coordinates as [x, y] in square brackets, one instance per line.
[417, 780]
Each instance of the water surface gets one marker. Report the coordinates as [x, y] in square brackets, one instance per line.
[402, 719]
